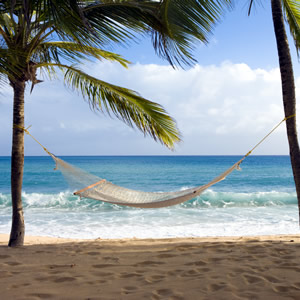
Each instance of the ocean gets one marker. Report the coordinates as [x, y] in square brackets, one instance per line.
[258, 200]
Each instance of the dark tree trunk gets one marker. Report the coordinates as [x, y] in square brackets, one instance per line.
[288, 91]
[17, 163]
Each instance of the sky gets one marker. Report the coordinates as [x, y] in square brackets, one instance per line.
[223, 105]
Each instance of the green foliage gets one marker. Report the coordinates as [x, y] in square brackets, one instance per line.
[52, 35]
[74, 52]
[292, 14]
[126, 104]
[185, 23]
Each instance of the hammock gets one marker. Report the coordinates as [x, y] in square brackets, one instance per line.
[106, 191]
[94, 187]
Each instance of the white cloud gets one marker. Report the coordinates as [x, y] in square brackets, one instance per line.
[221, 109]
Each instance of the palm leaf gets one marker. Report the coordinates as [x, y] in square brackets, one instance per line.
[72, 51]
[65, 17]
[6, 27]
[117, 21]
[175, 26]
[292, 14]
[187, 22]
[125, 104]
[65, 14]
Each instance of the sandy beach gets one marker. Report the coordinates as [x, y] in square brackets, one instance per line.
[265, 267]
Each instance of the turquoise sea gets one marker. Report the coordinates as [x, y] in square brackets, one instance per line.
[259, 199]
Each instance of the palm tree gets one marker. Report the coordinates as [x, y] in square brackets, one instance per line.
[54, 36]
[290, 9]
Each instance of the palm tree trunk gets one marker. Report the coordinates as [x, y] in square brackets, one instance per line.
[17, 163]
[288, 91]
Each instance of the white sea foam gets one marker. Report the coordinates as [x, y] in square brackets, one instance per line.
[210, 198]
[212, 214]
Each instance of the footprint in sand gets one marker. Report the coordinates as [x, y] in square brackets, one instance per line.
[272, 279]
[129, 289]
[93, 253]
[288, 257]
[130, 275]
[186, 247]
[259, 269]
[196, 263]
[43, 278]
[281, 289]
[166, 255]
[176, 297]
[12, 263]
[64, 279]
[250, 279]
[61, 266]
[41, 295]
[215, 259]
[175, 272]
[297, 285]
[216, 287]
[204, 270]
[115, 259]
[16, 273]
[16, 286]
[149, 263]
[155, 278]
[108, 275]
[95, 282]
[101, 266]
[142, 271]
[191, 273]
[164, 294]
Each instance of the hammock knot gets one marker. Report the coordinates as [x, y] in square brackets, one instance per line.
[22, 128]
[289, 117]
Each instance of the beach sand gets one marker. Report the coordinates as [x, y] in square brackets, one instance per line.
[265, 267]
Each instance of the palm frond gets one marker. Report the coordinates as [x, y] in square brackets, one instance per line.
[253, 4]
[72, 51]
[65, 17]
[292, 14]
[136, 111]
[7, 62]
[187, 23]
[117, 21]
[6, 27]
[65, 14]
[175, 26]
[48, 70]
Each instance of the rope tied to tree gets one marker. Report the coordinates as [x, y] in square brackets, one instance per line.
[266, 136]
[27, 132]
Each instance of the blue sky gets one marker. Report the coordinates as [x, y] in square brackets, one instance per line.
[223, 105]
[238, 37]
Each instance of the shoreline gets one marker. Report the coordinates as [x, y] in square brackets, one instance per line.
[39, 240]
[249, 267]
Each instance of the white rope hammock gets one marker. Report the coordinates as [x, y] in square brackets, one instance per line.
[106, 191]
[100, 189]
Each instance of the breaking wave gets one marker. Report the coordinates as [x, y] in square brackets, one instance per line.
[208, 199]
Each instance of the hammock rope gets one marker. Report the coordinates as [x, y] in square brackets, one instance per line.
[91, 186]
[267, 135]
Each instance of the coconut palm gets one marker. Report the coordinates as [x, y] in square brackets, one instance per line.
[55, 36]
[290, 11]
